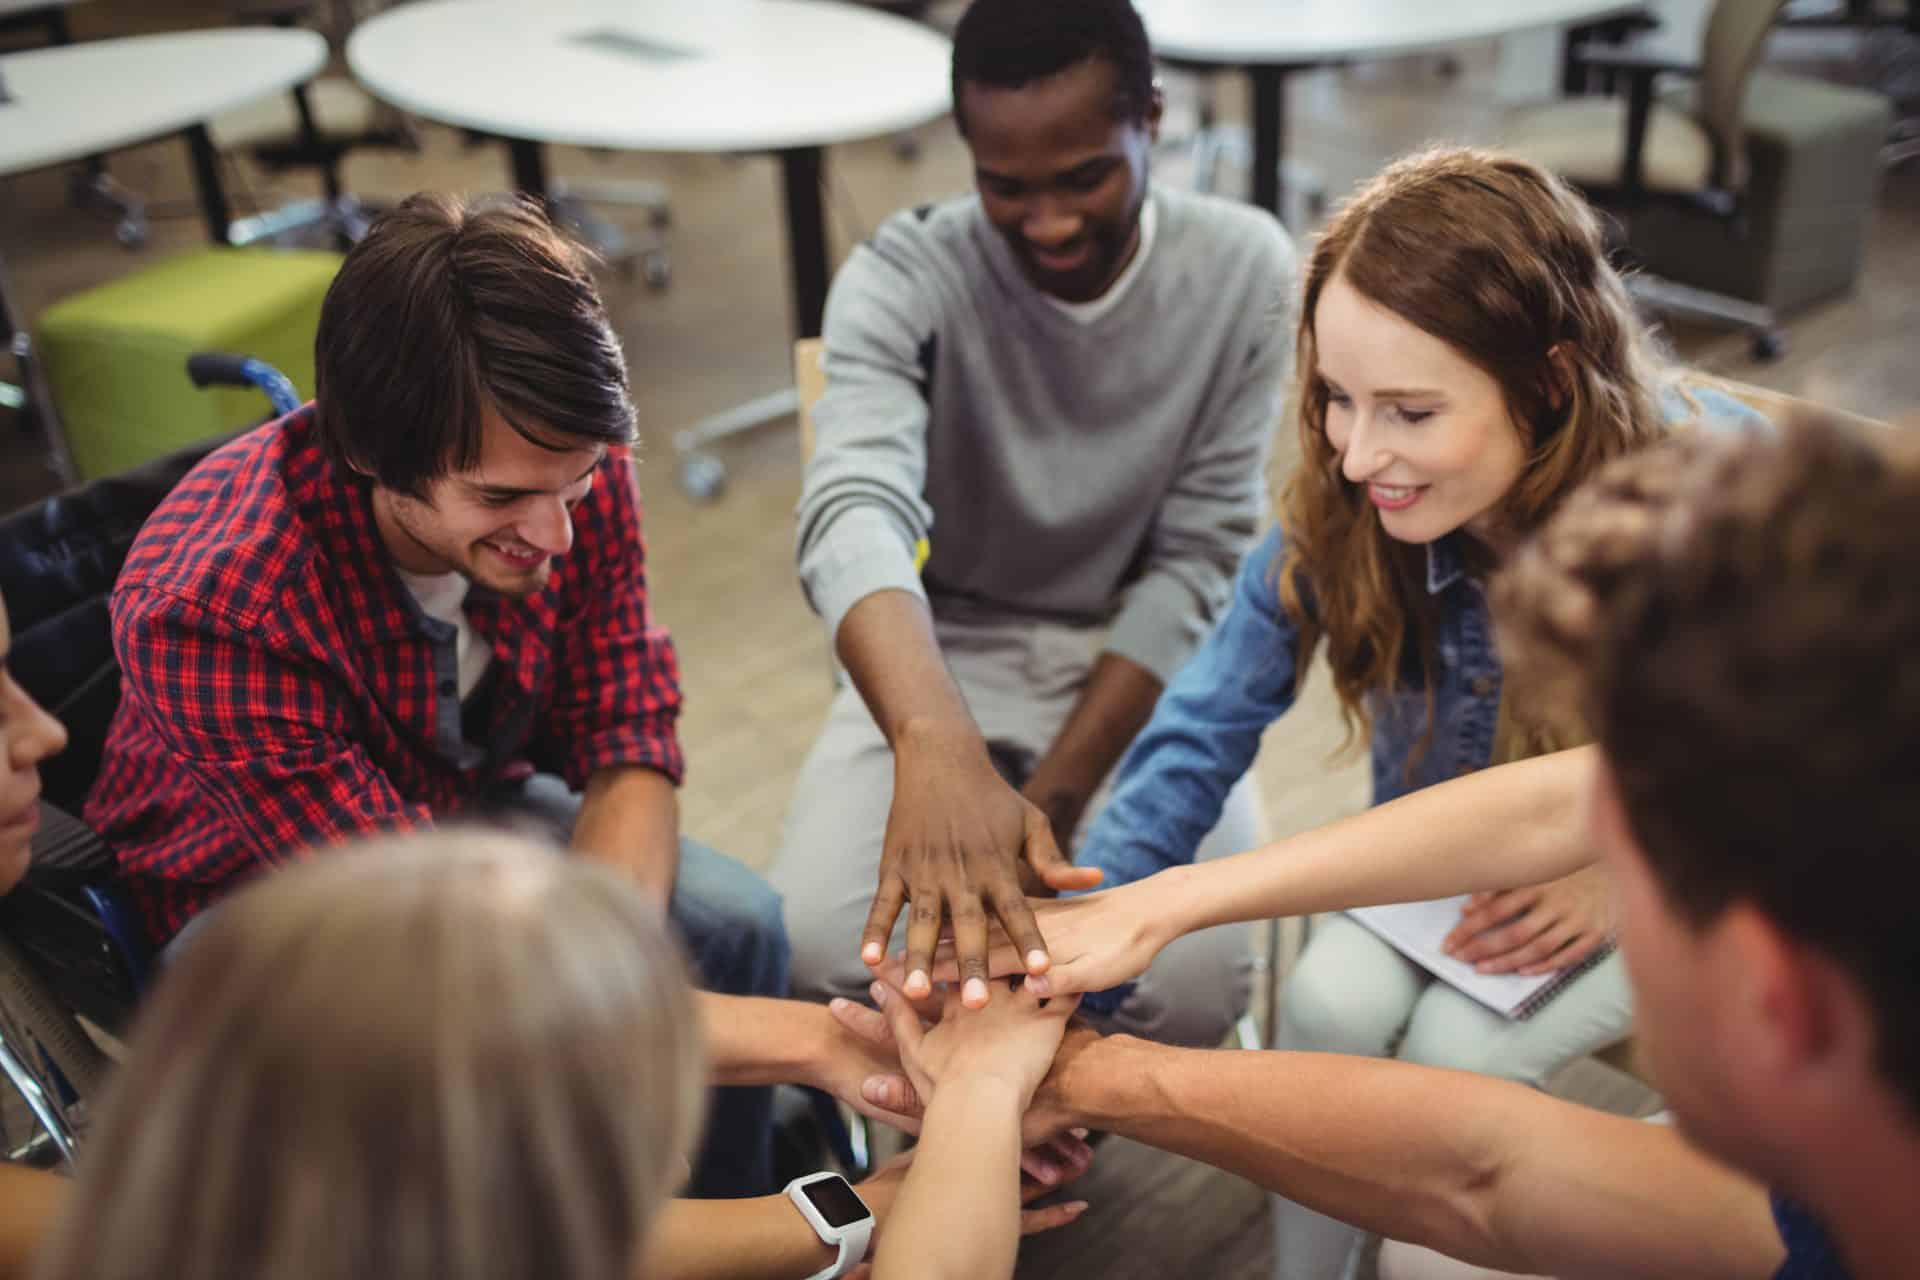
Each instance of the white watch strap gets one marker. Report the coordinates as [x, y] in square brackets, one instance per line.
[853, 1244]
[853, 1250]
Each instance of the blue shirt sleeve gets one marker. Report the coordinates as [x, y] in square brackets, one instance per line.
[1810, 1251]
[1204, 732]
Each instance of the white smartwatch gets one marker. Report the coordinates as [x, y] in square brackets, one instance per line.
[837, 1215]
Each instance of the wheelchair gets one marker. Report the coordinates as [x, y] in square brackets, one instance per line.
[73, 956]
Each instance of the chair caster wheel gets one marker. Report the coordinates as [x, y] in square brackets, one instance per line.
[703, 477]
[656, 269]
[1769, 345]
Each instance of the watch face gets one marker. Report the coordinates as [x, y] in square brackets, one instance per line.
[835, 1201]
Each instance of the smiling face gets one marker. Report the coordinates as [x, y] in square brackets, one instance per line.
[500, 524]
[28, 735]
[1060, 177]
[1426, 432]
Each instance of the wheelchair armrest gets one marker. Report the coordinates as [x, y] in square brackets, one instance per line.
[69, 920]
[67, 853]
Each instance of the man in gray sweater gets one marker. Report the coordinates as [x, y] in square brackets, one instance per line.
[1041, 455]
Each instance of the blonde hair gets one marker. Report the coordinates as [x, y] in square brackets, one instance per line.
[456, 1054]
[1507, 265]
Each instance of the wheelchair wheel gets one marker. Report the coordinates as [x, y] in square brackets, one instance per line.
[52, 1065]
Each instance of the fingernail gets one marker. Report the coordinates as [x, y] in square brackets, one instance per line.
[1040, 987]
[836, 1003]
[1079, 1133]
[976, 992]
[872, 953]
[879, 992]
[1036, 960]
[1048, 1174]
[918, 983]
[1077, 1208]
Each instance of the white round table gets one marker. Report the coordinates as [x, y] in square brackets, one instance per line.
[82, 99]
[786, 76]
[1270, 39]
[75, 101]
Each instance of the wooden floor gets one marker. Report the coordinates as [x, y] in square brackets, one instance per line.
[754, 658]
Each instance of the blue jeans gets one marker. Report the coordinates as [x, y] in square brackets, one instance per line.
[731, 922]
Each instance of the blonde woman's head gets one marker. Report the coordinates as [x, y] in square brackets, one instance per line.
[445, 1055]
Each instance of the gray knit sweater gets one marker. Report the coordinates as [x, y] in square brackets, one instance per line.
[1103, 472]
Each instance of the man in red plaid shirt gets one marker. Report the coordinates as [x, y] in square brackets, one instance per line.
[423, 598]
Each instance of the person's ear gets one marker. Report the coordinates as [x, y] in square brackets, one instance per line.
[1810, 1030]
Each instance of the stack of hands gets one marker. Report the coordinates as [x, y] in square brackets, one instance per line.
[1102, 940]
[1014, 1042]
[977, 1013]
[965, 1079]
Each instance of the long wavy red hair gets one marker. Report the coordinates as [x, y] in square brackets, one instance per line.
[1507, 265]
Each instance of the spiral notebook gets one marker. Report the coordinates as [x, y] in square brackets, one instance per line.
[1416, 930]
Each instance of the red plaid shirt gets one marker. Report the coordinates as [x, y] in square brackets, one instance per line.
[282, 691]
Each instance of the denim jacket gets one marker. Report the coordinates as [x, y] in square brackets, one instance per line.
[1206, 727]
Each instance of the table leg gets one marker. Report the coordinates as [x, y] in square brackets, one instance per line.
[801, 170]
[51, 22]
[529, 160]
[1269, 135]
[206, 177]
[702, 474]
[36, 399]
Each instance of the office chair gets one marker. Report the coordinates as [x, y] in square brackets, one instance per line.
[313, 127]
[1211, 144]
[572, 201]
[1630, 154]
[1888, 59]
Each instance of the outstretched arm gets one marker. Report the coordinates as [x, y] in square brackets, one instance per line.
[1478, 1168]
[1518, 824]
[756, 1041]
[30, 1200]
[980, 1068]
[956, 832]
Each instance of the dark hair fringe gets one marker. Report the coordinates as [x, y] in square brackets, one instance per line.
[1008, 44]
[447, 309]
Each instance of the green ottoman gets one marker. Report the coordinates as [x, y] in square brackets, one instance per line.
[1814, 152]
[116, 355]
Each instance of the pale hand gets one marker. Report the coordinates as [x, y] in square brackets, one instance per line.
[1052, 1157]
[1095, 941]
[1013, 1040]
[849, 1057]
[882, 1187]
[1540, 929]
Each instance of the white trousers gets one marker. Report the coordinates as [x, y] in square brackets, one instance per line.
[1352, 993]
